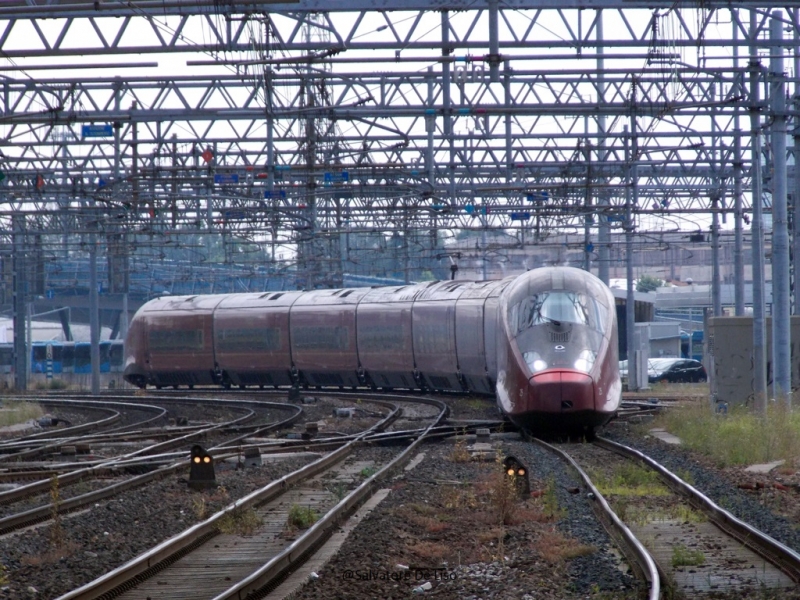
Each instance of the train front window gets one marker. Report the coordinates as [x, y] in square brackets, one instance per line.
[557, 308]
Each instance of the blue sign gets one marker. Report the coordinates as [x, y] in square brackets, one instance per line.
[520, 216]
[50, 294]
[223, 178]
[537, 196]
[91, 131]
[268, 195]
[337, 177]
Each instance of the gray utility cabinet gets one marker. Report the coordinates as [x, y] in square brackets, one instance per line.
[729, 357]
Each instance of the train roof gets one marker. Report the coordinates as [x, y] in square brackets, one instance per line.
[259, 300]
[199, 302]
[332, 297]
[560, 278]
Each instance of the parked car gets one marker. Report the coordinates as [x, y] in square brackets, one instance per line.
[671, 370]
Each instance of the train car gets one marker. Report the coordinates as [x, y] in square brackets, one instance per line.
[385, 346]
[68, 357]
[116, 355]
[47, 356]
[543, 343]
[6, 358]
[170, 342]
[83, 357]
[251, 339]
[558, 356]
[322, 330]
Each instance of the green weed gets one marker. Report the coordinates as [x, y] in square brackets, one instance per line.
[367, 472]
[301, 517]
[683, 557]
[18, 412]
[550, 506]
[630, 479]
[738, 438]
[240, 521]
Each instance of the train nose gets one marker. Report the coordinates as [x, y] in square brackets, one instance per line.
[562, 390]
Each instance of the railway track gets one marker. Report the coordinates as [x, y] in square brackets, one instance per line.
[674, 536]
[164, 465]
[203, 562]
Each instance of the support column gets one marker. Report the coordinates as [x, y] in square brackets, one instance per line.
[757, 230]
[716, 296]
[630, 302]
[494, 42]
[796, 178]
[20, 344]
[738, 231]
[603, 230]
[781, 327]
[94, 315]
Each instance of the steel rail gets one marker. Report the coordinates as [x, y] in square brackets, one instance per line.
[618, 529]
[154, 559]
[115, 416]
[108, 465]
[296, 553]
[783, 557]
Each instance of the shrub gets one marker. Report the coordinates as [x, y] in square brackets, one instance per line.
[301, 517]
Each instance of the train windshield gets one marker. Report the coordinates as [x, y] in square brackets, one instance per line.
[558, 308]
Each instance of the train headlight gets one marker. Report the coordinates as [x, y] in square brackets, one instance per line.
[535, 362]
[585, 361]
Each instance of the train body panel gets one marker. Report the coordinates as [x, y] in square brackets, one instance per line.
[384, 337]
[476, 345]
[251, 335]
[323, 334]
[434, 333]
[544, 342]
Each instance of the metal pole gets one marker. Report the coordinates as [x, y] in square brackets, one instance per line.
[507, 99]
[28, 340]
[716, 300]
[603, 232]
[630, 302]
[94, 316]
[447, 107]
[494, 42]
[273, 201]
[738, 231]
[430, 127]
[20, 345]
[796, 186]
[781, 324]
[757, 230]
[123, 323]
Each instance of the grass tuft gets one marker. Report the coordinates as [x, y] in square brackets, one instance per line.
[460, 454]
[240, 521]
[683, 557]
[19, 412]
[301, 517]
[630, 479]
[738, 438]
[554, 547]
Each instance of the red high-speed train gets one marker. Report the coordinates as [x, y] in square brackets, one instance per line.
[543, 343]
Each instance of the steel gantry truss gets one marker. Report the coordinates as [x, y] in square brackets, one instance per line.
[281, 134]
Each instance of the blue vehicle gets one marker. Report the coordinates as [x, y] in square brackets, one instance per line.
[45, 355]
[66, 357]
[83, 356]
